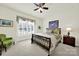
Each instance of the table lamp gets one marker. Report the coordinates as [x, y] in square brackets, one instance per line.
[68, 30]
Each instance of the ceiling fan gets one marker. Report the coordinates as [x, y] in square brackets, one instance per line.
[40, 6]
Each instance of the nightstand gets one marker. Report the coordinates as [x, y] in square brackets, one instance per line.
[69, 40]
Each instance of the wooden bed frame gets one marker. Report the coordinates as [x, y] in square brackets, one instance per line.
[44, 39]
[45, 42]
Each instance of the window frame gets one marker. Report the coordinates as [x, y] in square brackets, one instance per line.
[27, 20]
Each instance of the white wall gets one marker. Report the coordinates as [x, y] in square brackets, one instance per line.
[9, 14]
[68, 16]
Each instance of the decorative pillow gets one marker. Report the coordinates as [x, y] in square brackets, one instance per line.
[56, 31]
[57, 36]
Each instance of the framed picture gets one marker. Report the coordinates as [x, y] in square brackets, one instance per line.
[54, 24]
[6, 23]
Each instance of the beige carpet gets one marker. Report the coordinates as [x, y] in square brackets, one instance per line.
[65, 50]
[25, 48]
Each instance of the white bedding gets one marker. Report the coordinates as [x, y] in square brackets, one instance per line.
[54, 41]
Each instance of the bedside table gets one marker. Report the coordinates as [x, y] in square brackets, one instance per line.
[69, 40]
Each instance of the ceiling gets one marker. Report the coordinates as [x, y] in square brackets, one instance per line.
[54, 9]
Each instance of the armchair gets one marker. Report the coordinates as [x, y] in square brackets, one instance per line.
[0, 48]
[6, 41]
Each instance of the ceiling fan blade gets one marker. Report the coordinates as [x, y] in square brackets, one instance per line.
[46, 8]
[42, 4]
[40, 11]
[36, 4]
[36, 9]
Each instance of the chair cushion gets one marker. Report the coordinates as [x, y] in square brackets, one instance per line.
[7, 41]
[2, 37]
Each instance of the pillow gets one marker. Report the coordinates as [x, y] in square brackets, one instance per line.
[57, 36]
[56, 31]
[48, 31]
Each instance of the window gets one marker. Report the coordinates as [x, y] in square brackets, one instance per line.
[25, 26]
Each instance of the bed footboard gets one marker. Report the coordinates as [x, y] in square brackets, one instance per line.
[44, 42]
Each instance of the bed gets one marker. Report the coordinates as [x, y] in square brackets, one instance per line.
[47, 41]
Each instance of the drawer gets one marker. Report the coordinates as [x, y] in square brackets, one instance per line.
[69, 40]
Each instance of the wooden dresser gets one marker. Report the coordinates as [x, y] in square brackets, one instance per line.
[69, 40]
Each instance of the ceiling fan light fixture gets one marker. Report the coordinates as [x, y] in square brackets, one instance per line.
[40, 11]
[40, 7]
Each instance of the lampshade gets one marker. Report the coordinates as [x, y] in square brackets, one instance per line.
[68, 29]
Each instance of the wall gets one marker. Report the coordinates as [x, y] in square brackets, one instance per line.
[7, 13]
[68, 16]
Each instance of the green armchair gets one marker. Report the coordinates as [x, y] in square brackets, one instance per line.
[0, 48]
[6, 41]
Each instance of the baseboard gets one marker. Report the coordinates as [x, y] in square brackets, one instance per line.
[21, 40]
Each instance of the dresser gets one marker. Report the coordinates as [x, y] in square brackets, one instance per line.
[69, 40]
